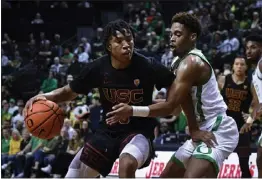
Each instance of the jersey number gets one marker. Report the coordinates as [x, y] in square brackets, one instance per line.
[234, 105]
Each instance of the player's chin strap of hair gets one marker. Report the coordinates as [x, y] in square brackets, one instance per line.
[141, 111]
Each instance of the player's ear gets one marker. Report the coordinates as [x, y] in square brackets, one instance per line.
[193, 36]
[108, 47]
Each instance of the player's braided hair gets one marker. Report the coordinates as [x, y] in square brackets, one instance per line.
[111, 28]
[189, 20]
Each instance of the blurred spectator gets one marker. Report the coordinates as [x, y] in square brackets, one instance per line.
[29, 154]
[67, 58]
[256, 21]
[59, 169]
[55, 68]
[56, 46]
[97, 44]
[75, 67]
[12, 106]
[19, 116]
[5, 60]
[5, 115]
[5, 145]
[49, 84]
[82, 55]
[68, 127]
[61, 148]
[38, 19]
[15, 143]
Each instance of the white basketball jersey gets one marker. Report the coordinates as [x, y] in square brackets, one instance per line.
[207, 100]
[257, 82]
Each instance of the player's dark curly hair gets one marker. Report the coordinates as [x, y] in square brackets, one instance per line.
[254, 38]
[111, 28]
[189, 20]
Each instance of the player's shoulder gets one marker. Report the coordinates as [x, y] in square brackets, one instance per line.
[143, 60]
[97, 63]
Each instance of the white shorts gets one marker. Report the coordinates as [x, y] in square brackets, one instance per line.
[139, 148]
[227, 135]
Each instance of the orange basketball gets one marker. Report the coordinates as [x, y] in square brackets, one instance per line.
[45, 120]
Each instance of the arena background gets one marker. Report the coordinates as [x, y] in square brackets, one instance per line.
[46, 43]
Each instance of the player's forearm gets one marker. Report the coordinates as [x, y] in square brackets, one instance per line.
[160, 109]
[60, 95]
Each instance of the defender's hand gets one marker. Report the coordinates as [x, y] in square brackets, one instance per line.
[120, 112]
[30, 103]
[245, 116]
[245, 128]
[205, 136]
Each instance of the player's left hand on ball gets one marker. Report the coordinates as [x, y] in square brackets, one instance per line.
[245, 128]
[120, 111]
[205, 136]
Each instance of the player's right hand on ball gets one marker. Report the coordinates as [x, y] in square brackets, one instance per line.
[205, 136]
[30, 103]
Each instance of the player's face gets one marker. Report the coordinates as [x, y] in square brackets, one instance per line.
[121, 46]
[180, 38]
[239, 66]
[253, 50]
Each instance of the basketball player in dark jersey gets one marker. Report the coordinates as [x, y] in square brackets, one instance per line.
[238, 92]
[122, 76]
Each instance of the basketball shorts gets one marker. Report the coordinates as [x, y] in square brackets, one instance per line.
[226, 133]
[102, 149]
[259, 142]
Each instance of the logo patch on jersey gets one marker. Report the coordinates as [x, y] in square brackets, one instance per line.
[136, 82]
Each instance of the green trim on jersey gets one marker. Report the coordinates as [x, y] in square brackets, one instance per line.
[177, 161]
[199, 103]
[217, 123]
[200, 87]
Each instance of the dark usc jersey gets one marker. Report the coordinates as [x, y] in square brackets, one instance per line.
[238, 98]
[133, 85]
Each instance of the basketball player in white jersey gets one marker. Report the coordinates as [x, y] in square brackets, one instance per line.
[254, 55]
[257, 81]
[195, 89]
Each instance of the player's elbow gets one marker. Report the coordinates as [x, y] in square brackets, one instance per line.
[168, 109]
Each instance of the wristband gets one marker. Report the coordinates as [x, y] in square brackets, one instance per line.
[140, 111]
[250, 120]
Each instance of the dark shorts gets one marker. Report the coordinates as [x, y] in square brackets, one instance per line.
[102, 149]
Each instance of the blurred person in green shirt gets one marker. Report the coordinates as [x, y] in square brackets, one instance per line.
[30, 154]
[49, 84]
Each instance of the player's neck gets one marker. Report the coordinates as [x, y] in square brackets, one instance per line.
[182, 55]
[238, 78]
[118, 64]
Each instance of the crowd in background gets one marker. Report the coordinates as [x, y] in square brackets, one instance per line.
[225, 25]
